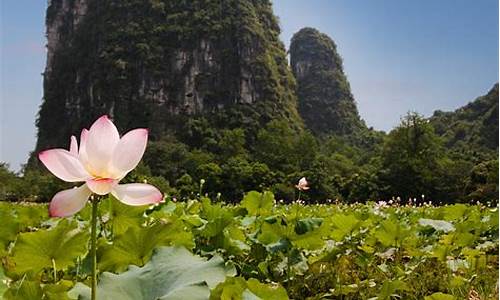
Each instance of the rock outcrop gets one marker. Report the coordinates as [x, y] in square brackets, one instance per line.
[161, 63]
[325, 100]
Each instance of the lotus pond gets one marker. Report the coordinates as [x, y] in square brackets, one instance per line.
[259, 249]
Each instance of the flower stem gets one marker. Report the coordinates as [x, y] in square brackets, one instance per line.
[93, 245]
[54, 270]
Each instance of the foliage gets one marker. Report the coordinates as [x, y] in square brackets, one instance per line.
[411, 156]
[258, 203]
[325, 100]
[172, 273]
[8, 182]
[471, 132]
[57, 247]
[238, 288]
[267, 250]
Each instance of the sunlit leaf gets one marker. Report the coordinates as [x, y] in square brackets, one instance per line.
[3, 284]
[9, 229]
[258, 203]
[60, 245]
[122, 216]
[439, 296]
[269, 291]
[238, 288]
[31, 215]
[389, 288]
[24, 290]
[344, 225]
[172, 274]
[57, 291]
[454, 212]
[217, 219]
[438, 225]
[136, 245]
[391, 233]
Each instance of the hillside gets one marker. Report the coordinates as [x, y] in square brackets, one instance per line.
[471, 130]
[325, 100]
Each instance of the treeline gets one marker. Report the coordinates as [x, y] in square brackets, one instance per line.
[412, 161]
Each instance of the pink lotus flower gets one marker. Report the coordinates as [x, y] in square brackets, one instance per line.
[101, 161]
[302, 185]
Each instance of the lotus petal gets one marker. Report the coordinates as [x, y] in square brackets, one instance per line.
[68, 202]
[73, 146]
[137, 194]
[64, 165]
[101, 186]
[100, 145]
[129, 152]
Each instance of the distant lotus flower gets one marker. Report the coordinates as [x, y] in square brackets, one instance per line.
[302, 185]
[101, 161]
[381, 204]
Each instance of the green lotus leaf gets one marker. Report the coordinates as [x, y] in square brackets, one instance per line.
[454, 212]
[438, 225]
[121, 216]
[235, 240]
[9, 229]
[24, 290]
[173, 273]
[3, 284]
[237, 288]
[268, 291]
[389, 288]
[217, 217]
[306, 225]
[59, 246]
[31, 215]
[310, 241]
[440, 296]
[344, 225]
[391, 233]
[136, 245]
[258, 204]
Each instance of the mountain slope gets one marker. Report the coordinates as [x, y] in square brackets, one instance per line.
[325, 100]
[163, 64]
[472, 128]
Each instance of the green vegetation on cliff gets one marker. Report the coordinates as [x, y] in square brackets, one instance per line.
[325, 100]
[166, 65]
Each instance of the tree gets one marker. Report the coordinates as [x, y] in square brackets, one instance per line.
[166, 158]
[411, 158]
[232, 143]
[483, 182]
[8, 182]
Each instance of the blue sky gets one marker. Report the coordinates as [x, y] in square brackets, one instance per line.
[399, 55]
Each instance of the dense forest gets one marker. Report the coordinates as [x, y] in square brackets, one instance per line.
[441, 159]
[228, 114]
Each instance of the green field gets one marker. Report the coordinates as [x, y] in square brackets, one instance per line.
[259, 249]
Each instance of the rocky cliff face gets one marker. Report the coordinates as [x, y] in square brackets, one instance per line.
[162, 64]
[325, 100]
